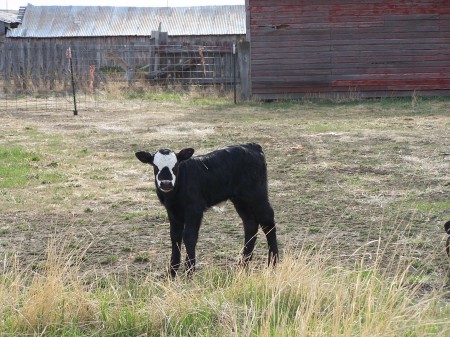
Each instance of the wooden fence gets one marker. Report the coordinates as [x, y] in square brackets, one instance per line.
[29, 66]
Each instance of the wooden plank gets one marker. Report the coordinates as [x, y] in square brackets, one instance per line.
[51, 58]
[389, 70]
[60, 57]
[3, 64]
[291, 73]
[45, 63]
[352, 44]
[26, 64]
[407, 76]
[410, 48]
[305, 8]
[347, 94]
[292, 60]
[398, 41]
[6, 66]
[362, 68]
[280, 50]
[267, 88]
[292, 33]
[439, 82]
[289, 17]
[130, 59]
[244, 68]
[387, 54]
[35, 63]
[389, 8]
[16, 65]
[348, 33]
[287, 60]
[294, 80]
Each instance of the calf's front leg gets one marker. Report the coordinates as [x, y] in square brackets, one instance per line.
[190, 237]
[176, 236]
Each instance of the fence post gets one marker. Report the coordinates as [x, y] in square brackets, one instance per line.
[234, 72]
[155, 39]
[244, 68]
[130, 72]
[69, 56]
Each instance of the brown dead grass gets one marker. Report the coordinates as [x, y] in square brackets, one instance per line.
[349, 172]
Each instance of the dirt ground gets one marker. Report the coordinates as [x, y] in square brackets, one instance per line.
[341, 176]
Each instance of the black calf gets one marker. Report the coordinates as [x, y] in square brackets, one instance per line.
[447, 244]
[187, 186]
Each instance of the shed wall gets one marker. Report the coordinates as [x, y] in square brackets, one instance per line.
[32, 64]
[3, 28]
[96, 48]
[367, 48]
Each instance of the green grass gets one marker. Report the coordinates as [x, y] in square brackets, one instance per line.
[131, 215]
[15, 168]
[142, 258]
[19, 168]
[430, 207]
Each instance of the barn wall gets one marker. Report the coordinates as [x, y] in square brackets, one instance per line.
[366, 48]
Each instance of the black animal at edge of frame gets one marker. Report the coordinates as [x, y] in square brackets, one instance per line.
[447, 244]
[187, 186]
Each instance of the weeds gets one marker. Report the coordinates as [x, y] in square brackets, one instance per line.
[305, 295]
[14, 166]
[355, 173]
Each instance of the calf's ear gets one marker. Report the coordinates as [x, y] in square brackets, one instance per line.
[185, 154]
[144, 157]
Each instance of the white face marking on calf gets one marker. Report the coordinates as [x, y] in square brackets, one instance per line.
[165, 160]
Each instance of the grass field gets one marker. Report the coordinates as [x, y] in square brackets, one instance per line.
[360, 190]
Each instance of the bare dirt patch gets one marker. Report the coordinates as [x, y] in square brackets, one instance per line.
[342, 175]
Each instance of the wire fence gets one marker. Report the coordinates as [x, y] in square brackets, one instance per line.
[40, 74]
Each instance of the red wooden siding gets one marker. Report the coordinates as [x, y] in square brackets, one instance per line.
[371, 47]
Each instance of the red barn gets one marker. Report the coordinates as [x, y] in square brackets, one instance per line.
[367, 48]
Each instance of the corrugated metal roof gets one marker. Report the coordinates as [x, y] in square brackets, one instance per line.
[89, 21]
[8, 17]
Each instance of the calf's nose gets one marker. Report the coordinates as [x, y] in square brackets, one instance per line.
[166, 185]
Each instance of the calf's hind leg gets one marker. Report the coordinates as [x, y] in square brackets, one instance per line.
[190, 237]
[250, 229]
[265, 217]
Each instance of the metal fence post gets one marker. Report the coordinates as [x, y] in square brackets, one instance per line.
[69, 56]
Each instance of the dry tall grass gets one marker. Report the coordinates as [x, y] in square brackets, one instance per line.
[306, 295]
[361, 169]
[52, 295]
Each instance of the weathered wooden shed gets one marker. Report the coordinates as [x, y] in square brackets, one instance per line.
[103, 25]
[8, 20]
[106, 42]
[366, 48]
